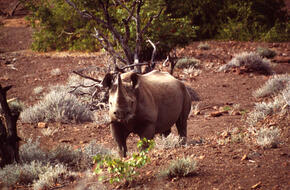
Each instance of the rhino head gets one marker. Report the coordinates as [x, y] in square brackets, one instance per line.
[122, 97]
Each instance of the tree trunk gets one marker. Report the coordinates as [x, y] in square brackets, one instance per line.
[9, 140]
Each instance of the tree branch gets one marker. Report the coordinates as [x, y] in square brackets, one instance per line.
[87, 77]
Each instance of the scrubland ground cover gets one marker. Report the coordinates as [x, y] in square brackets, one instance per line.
[238, 132]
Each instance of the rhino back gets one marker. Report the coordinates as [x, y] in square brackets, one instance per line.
[165, 99]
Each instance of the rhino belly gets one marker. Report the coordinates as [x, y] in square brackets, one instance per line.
[168, 115]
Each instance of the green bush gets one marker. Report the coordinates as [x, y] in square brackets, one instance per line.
[60, 27]
[120, 169]
[235, 19]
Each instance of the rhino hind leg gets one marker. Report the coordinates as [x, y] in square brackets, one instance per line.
[166, 133]
[181, 126]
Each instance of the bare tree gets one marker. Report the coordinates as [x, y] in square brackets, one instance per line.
[130, 55]
[9, 140]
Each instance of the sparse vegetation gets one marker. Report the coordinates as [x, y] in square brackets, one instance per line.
[266, 52]
[44, 169]
[55, 72]
[171, 141]
[273, 86]
[120, 170]
[234, 135]
[37, 90]
[58, 105]
[188, 63]
[203, 46]
[248, 62]
[192, 71]
[266, 137]
[181, 167]
[49, 131]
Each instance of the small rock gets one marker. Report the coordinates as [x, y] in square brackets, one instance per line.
[14, 59]
[41, 125]
[216, 114]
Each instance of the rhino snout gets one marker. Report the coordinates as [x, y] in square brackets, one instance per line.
[121, 114]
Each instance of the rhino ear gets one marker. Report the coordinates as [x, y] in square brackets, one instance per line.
[134, 79]
[107, 81]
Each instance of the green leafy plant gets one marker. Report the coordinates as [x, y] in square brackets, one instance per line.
[120, 169]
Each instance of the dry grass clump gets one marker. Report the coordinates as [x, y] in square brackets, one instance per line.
[180, 168]
[58, 105]
[203, 46]
[38, 90]
[249, 62]
[55, 72]
[171, 141]
[273, 86]
[188, 63]
[43, 169]
[266, 52]
[266, 137]
[37, 174]
[263, 109]
[192, 71]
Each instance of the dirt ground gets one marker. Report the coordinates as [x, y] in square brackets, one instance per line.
[220, 166]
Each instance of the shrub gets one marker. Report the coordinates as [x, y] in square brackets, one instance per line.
[62, 28]
[263, 109]
[266, 52]
[187, 63]
[251, 62]
[58, 105]
[266, 137]
[51, 176]
[123, 170]
[278, 33]
[273, 86]
[180, 168]
[31, 151]
[43, 169]
[38, 174]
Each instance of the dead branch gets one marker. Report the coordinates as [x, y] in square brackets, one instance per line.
[87, 77]
[9, 141]
[130, 56]
[173, 60]
[12, 12]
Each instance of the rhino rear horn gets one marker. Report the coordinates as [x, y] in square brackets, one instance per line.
[134, 79]
[108, 80]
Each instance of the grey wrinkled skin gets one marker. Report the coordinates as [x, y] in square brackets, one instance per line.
[146, 105]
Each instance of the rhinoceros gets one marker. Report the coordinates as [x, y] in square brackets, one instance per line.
[146, 105]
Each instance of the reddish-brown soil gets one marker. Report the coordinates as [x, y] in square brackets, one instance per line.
[220, 166]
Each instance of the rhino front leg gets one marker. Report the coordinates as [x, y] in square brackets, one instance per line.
[120, 135]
